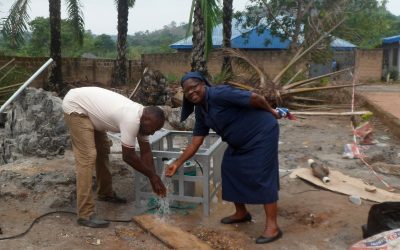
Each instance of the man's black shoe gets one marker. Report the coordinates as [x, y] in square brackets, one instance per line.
[93, 222]
[114, 198]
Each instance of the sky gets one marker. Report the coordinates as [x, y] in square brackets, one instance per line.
[101, 15]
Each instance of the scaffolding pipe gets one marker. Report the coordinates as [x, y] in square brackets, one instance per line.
[44, 66]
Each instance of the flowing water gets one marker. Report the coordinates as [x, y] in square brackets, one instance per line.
[163, 204]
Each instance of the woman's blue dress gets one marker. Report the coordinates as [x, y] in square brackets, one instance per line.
[250, 168]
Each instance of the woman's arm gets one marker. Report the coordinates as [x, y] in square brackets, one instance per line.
[186, 155]
[258, 101]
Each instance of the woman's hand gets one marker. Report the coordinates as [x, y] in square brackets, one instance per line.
[171, 169]
[282, 112]
[276, 114]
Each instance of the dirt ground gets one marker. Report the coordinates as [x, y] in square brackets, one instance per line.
[311, 218]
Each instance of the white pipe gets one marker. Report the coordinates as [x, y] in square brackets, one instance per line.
[23, 86]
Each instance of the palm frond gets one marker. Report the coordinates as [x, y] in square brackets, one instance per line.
[240, 85]
[298, 56]
[212, 16]
[312, 89]
[75, 17]
[241, 56]
[189, 29]
[307, 99]
[15, 25]
[302, 82]
[131, 3]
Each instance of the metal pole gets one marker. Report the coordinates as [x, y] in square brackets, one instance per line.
[44, 66]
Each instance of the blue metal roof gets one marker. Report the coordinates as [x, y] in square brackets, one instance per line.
[253, 40]
[217, 36]
[340, 44]
[391, 39]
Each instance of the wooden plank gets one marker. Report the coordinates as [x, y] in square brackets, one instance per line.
[172, 236]
[344, 184]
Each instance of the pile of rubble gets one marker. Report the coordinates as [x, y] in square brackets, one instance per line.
[153, 89]
[34, 126]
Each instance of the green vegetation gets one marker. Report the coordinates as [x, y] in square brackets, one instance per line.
[37, 42]
[367, 116]
[365, 22]
[172, 78]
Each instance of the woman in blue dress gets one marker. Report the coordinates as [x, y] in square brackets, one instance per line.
[247, 123]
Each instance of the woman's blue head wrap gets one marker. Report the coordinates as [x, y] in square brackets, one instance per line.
[187, 106]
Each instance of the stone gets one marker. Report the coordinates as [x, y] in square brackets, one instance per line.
[355, 199]
[34, 126]
[152, 90]
[57, 202]
[174, 120]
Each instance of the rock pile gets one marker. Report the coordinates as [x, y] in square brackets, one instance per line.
[152, 90]
[34, 126]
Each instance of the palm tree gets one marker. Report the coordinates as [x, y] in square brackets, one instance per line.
[227, 12]
[120, 74]
[205, 15]
[15, 26]
[55, 77]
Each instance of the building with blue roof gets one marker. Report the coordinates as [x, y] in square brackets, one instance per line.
[391, 55]
[250, 39]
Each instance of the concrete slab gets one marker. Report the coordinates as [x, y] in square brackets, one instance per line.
[384, 101]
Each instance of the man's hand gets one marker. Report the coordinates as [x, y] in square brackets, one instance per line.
[158, 186]
[171, 169]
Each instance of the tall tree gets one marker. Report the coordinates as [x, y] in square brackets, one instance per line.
[227, 12]
[104, 43]
[367, 22]
[284, 18]
[300, 21]
[39, 42]
[206, 14]
[55, 76]
[15, 26]
[120, 74]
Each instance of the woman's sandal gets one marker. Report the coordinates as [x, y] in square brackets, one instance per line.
[229, 220]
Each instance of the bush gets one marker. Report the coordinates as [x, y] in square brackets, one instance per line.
[393, 74]
[171, 78]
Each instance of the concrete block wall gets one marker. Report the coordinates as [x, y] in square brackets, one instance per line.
[30, 64]
[77, 69]
[169, 64]
[178, 63]
[369, 64]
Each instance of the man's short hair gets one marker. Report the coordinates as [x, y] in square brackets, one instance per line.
[156, 112]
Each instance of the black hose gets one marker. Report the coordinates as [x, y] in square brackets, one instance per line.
[46, 214]
[201, 168]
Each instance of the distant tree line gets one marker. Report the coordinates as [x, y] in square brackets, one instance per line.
[37, 41]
